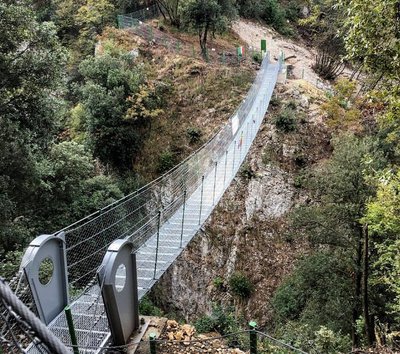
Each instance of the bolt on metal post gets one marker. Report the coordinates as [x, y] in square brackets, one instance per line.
[183, 215]
[158, 240]
[153, 347]
[71, 329]
[253, 337]
[201, 198]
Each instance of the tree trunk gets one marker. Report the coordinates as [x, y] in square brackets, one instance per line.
[161, 10]
[357, 290]
[369, 331]
[203, 41]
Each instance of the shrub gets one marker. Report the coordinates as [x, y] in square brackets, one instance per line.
[291, 105]
[292, 11]
[147, 308]
[165, 161]
[274, 15]
[240, 285]
[341, 107]
[275, 101]
[286, 120]
[205, 324]
[257, 57]
[218, 283]
[247, 172]
[194, 134]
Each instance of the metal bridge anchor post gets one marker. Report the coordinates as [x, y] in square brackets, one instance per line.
[201, 197]
[153, 347]
[71, 329]
[158, 240]
[253, 337]
[183, 215]
[215, 179]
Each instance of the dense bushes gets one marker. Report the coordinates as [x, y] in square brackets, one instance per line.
[272, 12]
[240, 285]
[221, 319]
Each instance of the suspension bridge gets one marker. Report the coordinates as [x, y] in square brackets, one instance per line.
[158, 221]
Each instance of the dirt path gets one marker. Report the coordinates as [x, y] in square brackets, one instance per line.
[252, 33]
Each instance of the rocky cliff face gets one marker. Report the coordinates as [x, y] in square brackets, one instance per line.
[246, 232]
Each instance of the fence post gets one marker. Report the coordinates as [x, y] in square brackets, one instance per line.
[71, 329]
[158, 239]
[226, 162]
[153, 348]
[234, 153]
[253, 337]
[215, 179]
[201, 197]
[183, 214]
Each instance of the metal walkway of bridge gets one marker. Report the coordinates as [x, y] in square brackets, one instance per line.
[160, 219]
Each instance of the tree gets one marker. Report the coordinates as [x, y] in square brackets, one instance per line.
[118, 107]
[31, 64]
[323, 27]
[383, 218]
[333, 222]
[373, 35]
[171, 9]
[317, 293]
[69, 187]
[208, 17]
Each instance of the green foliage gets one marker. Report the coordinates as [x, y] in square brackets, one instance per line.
[314, 341]
[274, 15]
[341, 189]
[257, 57]
[9, 265]
[286, 120]
[31, 63]
[218, 283]
[221, 320]
[272, 12]
[246, 171]
[389, 125]
[334, 224]
[171, 9]
[69, 188]
[118, 106]
[240, 285]
[383, 215]
[166, 161]
[205, 324]
[341, 107]
[317, 293]
[275, 101]
[208, 17]
[194, 135]
[79, 21]
[372, 38]
[292, 11]
[147, 308]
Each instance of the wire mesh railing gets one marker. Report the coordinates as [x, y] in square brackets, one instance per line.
[135, 23]
[133, 18]
[173, 207]
[136, 216]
